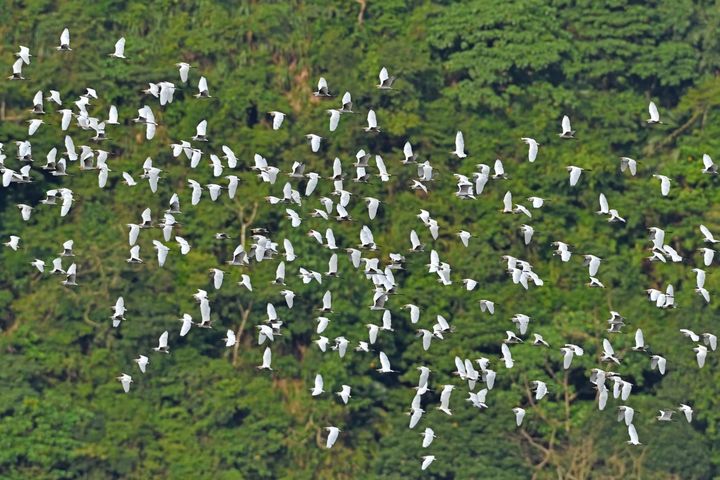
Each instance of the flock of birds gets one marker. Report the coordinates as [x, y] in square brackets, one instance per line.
[378, 272]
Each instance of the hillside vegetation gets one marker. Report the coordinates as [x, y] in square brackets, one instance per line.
[497, 71]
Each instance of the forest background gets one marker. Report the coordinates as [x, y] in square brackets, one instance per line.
[497, 71]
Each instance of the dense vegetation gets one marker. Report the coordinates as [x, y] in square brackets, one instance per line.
[497, 71]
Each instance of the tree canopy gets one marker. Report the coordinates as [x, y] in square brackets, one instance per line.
[497, 71]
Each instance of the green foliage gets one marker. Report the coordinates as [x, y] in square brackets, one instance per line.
[497, 71]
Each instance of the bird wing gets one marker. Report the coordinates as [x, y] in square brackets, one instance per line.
[566, 124]
[162, 341]
[407, 150]
[604, 207]
[371, 119]
[384, 362]
[507, 356]
[201, 128]
[120, 47]
[334, 119]
[608, 349]
[706, 232]
[652, 109]
[459, 142]
[639, 339]
[267, 356]
[633, 433]
[498, 168]
[574, 176]
[707, 161]
[507, 201]
[533, 151]
[202, 85]
[383, 75]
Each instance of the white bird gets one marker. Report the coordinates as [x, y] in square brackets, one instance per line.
[39, 264]
[13, 243]
[656, 361]
[567, 131]
[593, 264]
[386, 80]
[459, 145]
[708, 237]
[64, 41]
[699, 277]
[266, 360]
[665, 415]
[201, 132]
[634, 440]
[664, 184]
[426, 461]
[344, 393]
[332, 436]
[575, 173]
[229, 338]
[540, 389]
[568, 354]
[295, 219]
[687, 411]
[710, 340]
[203, 91]
[314, 141]
[604, 207]
[334, 119]
[690, 334]
[24, 54]
[639, 341]
[25, 211]
[700, 354]
[119, 49]
[322, 88]
[654, 115]
[372, 122]
[625, 414]
[125, 381]
[162, 252]
[186, 324]
[184, 69]
[218, 276]
[428, 437]
[532, 148]
[627, 163]
[384, 364]
[537, 202]
[278, 118]
[519, 415]
[445, 399]
[162, 343]
[507, 202]
[507, 356]
[318, 386]
[372, 206]
[118, 312]
[142, 362]
[527, 232]
[346, 103]
[17, 70]
[708, 165]
[487, 306]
